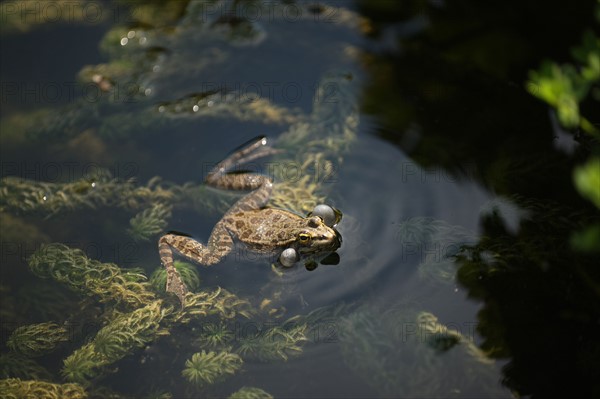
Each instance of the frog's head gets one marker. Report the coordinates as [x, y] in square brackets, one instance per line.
[315, 236]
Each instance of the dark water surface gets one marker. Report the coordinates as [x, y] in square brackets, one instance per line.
[442, 149]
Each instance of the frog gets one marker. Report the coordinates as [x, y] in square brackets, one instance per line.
[249, 221]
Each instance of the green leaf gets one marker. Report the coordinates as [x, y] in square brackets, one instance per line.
[587, 240]
[587, 180]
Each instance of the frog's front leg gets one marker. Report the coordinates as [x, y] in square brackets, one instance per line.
[219, 245]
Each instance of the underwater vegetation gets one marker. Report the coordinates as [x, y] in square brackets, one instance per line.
[37, 339]
[92, 319]
[14, 388]
[445, 241]
[250, 393]
[278, 343]
[136, 318]
[105, 281]
[64, 11]
[150, 222]
[208, 367]
[188, 272]
[415, 366]
[85, 325]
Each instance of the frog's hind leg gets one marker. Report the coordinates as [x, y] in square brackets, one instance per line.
[219, 245]
[259, 185]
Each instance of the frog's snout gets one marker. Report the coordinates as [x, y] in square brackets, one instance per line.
[332, 239]
[338, 239]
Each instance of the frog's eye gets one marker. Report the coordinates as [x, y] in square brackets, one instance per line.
[304, 238]
[314, 221]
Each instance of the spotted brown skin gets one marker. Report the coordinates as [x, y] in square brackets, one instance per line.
[263, 230]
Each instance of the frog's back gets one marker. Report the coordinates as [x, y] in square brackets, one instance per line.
[264, 230]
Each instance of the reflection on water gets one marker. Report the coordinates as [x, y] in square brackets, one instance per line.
[456, 275]
[533, 266]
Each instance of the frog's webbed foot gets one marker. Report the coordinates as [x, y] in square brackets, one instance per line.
[259, 185]
[174, 282]
[254, 149]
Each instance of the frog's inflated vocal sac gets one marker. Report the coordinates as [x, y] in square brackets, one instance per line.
[264, 230]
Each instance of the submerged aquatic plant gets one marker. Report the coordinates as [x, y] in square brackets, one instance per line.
[275, 343]
[401, 352]
[230, 104]
[125, 332]
[206, 368]
[15, 388]
[250, 393]
[119, 338]
[37, 339]
[218, 302]
[149, 222]
[188, 272]
[95, 190]
[106, 281]
[439, 241]
[130, 313]
[214, 335]
[417, 229]
[442, 338]
[316, 160]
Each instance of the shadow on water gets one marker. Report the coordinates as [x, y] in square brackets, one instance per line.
[457, 273]
[459, 99]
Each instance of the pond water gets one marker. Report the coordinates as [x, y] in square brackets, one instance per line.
[456, 201]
